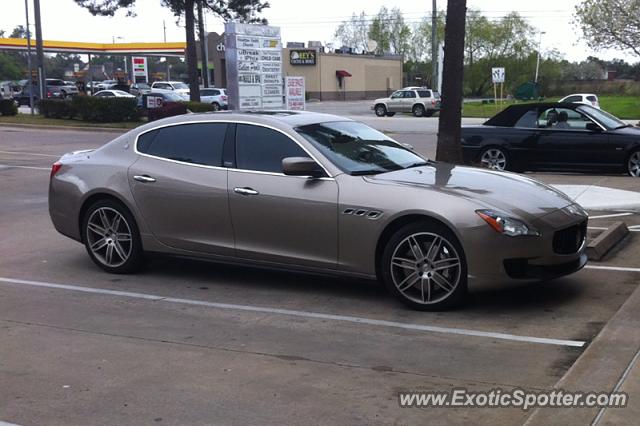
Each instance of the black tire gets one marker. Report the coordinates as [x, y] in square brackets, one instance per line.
[495, 158]
[443, 299]
[135, 258]
[418, 110]
[216, 106]
[380, 110]
[391, 114]
[632, 164]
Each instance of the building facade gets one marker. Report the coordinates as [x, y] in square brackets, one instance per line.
[328, 76]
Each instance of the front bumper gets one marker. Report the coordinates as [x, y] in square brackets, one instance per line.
[495, 257]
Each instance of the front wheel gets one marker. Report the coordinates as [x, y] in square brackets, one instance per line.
[633, 165]
[380, 110]
[111, 237]
[424, 266]
[495, 158]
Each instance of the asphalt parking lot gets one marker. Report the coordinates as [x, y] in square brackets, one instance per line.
[189, 342]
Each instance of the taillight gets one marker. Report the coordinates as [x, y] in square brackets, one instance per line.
[223, 97]
[55, 168]
[49, 94]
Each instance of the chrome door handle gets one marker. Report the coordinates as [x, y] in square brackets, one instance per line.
[245, 191]
[144, 178]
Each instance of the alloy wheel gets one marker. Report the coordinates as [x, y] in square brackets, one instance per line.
[425, 268]
[494, 159]
[634, 164]
[109, 237]
[381, 111]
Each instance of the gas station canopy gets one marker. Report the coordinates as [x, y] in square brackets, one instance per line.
[145, 49]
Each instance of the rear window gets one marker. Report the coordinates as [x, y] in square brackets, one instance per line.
[199, 143]
[592, 99]
[424, 93]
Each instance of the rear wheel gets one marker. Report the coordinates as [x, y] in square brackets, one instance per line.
[418, 110]
[495, 158]
[111, 237]
[216, 106]
[633, 164]
[380, 110]
[424, 266]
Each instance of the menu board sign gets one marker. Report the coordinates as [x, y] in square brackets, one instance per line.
[253, 55]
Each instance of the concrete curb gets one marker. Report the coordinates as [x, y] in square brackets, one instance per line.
[607, 240]
[69, 128]
[600, 368]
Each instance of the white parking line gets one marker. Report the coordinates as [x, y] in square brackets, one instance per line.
[634, 228]
[29, 153]
[11, 166]
[613, 268]
[604, 216]
[306, 314]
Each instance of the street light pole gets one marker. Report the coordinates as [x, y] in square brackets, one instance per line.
[26, 11]
[538, 59]
[42, 80]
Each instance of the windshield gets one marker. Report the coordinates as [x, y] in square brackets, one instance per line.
[179, 86]
[358, 149]
[602, 117]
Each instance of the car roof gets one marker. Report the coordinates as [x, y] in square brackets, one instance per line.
[581, 94]
[278, 118]
[509, 115]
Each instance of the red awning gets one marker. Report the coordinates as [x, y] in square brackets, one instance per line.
[343, 73]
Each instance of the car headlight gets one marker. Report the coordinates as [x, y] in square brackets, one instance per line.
[506, 225]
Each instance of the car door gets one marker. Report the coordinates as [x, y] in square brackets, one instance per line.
[394, 104]
[180, 186]
[279, 218]
[580, 143]
[408, 99]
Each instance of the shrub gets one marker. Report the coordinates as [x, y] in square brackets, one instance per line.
[106, 110]
[56, 108]
[167, 110]
[8, 107]
[198, 106]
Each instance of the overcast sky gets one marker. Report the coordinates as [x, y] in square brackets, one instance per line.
[300, 20]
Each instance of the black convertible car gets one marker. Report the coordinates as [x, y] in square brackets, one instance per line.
[553, 136]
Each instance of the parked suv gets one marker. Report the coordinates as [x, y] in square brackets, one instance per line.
[582, 98]
[214, 96]
[420, 101]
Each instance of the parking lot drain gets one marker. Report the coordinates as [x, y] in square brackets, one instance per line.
[604, 242]
[306, 314]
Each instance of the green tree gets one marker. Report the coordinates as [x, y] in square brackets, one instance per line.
[354, 32]
[610, 24]
[10, 68]
[390, 31]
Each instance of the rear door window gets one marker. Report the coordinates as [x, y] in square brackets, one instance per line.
[592, 99]
[198, 143]
[573, 99]
[263, 149]
[409, 94]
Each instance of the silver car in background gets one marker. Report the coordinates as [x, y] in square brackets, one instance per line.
[312, 192]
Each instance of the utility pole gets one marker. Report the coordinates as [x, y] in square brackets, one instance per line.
[42, 79]
[30, 78]
[538, 59]
[203, 46]
[164, 30]
[191, 54]
[434, 46]
[449, 148]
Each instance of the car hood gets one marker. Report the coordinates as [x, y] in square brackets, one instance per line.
[510, 193]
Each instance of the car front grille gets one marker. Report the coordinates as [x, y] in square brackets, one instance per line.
[569, 240]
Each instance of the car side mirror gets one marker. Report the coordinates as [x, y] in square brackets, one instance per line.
[593, 127]
[301, 166]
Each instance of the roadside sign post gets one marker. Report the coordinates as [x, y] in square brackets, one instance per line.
[497, 77]
[253, 55]
[139, 68]
[294, 93]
